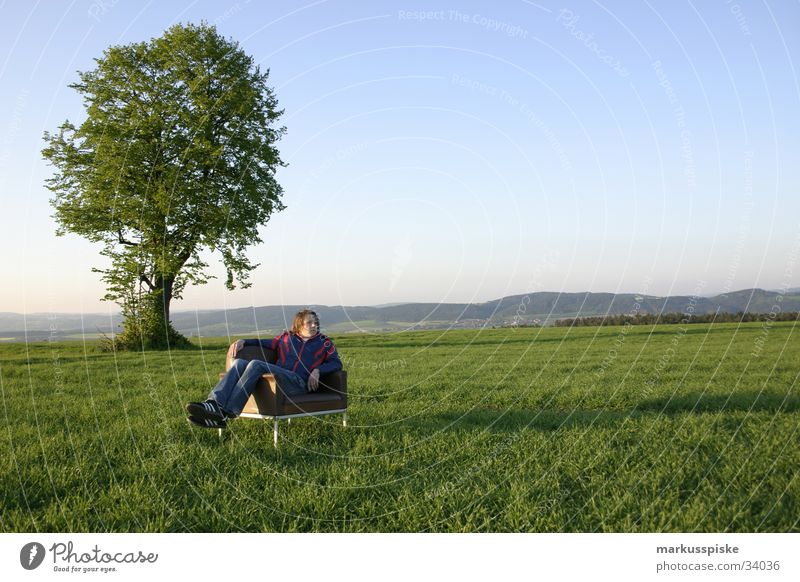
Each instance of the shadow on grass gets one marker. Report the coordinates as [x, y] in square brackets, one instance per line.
[489, 341]
[256, 435]
[496, 419]
[513, 420]
[750, 401]
[577, 333]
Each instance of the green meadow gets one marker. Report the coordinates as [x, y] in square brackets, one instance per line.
[607, 429]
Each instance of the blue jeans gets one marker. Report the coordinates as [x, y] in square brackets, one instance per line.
[232, 392]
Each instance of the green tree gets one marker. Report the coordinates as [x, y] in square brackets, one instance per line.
[176, 156]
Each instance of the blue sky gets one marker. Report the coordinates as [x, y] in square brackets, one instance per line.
[455, 152]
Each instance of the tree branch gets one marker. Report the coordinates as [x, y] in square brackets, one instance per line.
[123, 241]
[144, 279]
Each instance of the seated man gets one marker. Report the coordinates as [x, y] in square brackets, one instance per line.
[303, 354]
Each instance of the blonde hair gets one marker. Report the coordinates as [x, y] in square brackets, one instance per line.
[297, 322]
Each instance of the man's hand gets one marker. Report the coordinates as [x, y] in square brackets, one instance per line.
[234, 349]
[313, 380]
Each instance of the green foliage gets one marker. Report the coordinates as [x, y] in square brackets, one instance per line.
[176, 155]
[631, 429]
[146, 328]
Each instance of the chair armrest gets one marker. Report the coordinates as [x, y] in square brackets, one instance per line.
[335, 382]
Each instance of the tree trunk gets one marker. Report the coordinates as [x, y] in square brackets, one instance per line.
[147, 325]
[164, 284]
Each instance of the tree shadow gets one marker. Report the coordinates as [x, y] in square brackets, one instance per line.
[748, 401]
[439, 343]
[496, 419]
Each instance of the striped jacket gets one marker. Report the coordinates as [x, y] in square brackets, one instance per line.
[302, 357]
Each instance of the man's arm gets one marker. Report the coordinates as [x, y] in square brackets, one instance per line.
[331, 361]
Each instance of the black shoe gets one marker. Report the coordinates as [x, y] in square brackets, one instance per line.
[207, 422]
[208, 409]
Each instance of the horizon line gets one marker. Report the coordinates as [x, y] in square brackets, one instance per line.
[400, 303]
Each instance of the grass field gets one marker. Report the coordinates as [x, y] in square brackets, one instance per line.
[664, 428]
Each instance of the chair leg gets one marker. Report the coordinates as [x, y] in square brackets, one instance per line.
[344, 420]
[275, 433]
[220, 433]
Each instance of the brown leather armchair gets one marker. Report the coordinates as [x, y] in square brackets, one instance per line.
[269, 402]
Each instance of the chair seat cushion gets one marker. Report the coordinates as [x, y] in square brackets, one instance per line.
[312, 402]
[314, 397]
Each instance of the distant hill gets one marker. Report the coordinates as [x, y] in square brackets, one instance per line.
[540, 307]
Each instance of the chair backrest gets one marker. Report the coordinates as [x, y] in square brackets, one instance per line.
[253, 353]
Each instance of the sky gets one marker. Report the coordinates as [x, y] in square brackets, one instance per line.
[454, 151]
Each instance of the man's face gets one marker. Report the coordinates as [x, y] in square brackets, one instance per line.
[309, 326]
